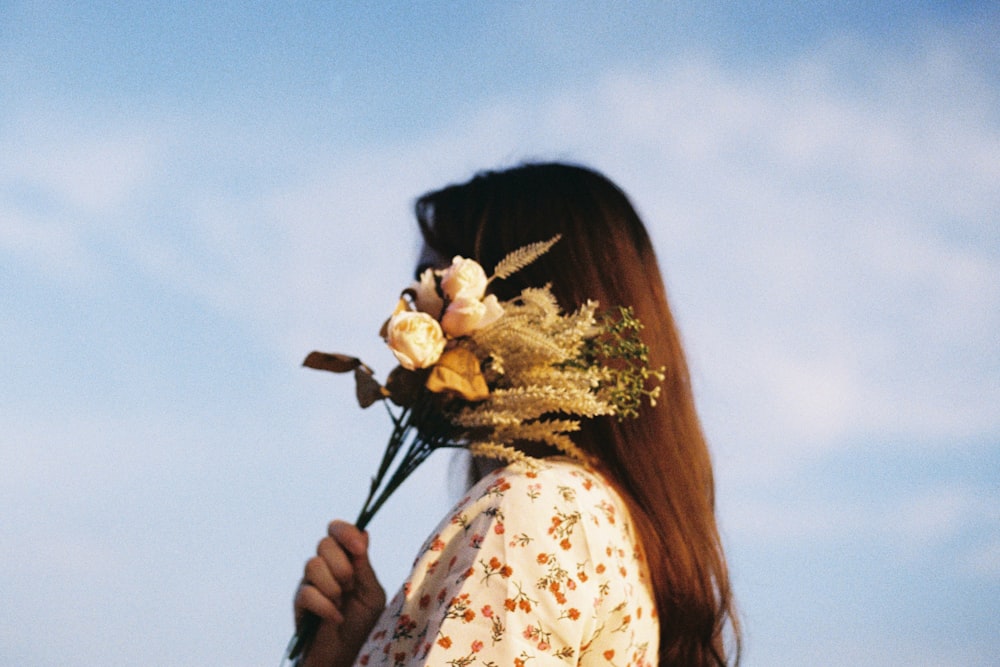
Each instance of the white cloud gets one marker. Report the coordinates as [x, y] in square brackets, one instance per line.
[817, 236]
[815, 233]
[833, 225]
[828, 233]
[821, 228]
[904, 526]
[63, 183]
[984, 560]
[89, 169]
[938, 514]
[48, 245]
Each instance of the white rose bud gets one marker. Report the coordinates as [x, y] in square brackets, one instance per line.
[464, 278]
[463, 316]
[427, 299]
[415, 339]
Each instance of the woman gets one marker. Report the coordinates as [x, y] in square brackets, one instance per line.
[553, 601]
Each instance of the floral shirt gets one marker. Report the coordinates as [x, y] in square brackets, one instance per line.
[534, 567]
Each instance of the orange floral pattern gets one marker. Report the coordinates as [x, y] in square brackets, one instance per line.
[533, 567]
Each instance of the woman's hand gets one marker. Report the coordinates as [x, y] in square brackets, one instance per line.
[341, 589]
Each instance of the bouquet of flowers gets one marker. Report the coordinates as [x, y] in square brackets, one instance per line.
[482, 374]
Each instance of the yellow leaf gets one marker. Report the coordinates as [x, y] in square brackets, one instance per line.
[458, 371]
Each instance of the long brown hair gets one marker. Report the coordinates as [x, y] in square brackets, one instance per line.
[660, 461]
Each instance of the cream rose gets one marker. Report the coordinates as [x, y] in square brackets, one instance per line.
[415, 339]
[427, 299]
[464, 315]
[464, 278]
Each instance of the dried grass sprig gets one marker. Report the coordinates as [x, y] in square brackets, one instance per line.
[522, 257]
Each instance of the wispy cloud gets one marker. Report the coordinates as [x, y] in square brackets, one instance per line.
[827, 228]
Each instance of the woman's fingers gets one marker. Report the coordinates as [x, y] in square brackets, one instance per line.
[364, 584]
[328, 576]
[310, 599]
[337, 563]
[349, 536]
[319, 575]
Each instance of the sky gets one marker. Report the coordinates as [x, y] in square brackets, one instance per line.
[195, 195]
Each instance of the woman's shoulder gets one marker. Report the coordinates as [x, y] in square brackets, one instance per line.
[533, 497]
[566, 478]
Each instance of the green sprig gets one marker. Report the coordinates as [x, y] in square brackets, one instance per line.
[621, 346]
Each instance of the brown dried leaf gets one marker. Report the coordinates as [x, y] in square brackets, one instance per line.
[335, 363]
[368, 390]
[458, 371]
[403, 386]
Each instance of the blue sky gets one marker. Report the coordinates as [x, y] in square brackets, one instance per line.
[193, 197]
